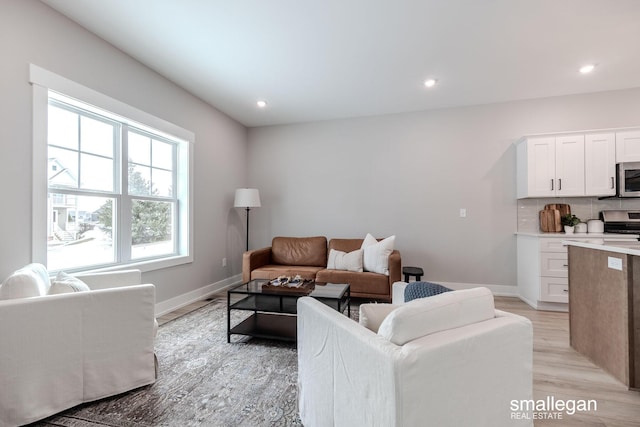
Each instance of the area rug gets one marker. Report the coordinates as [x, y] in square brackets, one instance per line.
[204, 381]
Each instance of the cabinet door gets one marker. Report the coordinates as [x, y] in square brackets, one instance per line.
[570, 165]
[600, 164]
[628, 146]
[541, 166]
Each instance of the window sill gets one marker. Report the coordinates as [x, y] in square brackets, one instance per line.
[147, 265]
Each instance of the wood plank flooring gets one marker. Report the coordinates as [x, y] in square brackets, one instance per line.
[561, 372]
[558, 371]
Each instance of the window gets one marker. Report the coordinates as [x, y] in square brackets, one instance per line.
[117, 190]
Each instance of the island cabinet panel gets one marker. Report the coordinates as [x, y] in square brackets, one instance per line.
[603, 305]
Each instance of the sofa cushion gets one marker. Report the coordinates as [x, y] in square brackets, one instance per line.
[345, 245]
[376, 254]
[372, 315]
[31, 280]
[64, 283]
[364, 283]
[426, 316]
[309, 251]
[272, 271]
[350, 261]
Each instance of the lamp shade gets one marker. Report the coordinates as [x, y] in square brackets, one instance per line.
[247, 198]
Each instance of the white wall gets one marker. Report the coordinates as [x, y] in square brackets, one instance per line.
[409, 175]
[31, 32]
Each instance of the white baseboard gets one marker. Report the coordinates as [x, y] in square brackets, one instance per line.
[546, 306]
[175, 303]
[510, 291]
[497, 290]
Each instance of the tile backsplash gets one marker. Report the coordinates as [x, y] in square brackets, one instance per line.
[585, 208]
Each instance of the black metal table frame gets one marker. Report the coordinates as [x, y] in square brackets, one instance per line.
[275, 314]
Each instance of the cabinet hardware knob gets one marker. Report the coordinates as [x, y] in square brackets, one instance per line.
[612, 183]
[552, 185]
[565, 265]
[560, 184]
[565, 290]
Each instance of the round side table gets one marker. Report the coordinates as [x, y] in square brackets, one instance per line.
[412, 271]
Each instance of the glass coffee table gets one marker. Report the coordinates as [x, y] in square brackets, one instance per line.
[275, 307]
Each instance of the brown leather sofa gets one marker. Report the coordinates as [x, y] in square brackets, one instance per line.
[307, 256]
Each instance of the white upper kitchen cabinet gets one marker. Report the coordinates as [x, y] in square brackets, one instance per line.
[551, 166]
[570, 165]
[600, 164]
[628, 146]
[536, 167]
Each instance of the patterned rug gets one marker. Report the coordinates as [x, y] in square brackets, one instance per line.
[204, 381]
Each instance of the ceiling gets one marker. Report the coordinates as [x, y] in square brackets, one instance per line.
[328, 59]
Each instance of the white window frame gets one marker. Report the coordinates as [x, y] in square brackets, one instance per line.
[42, 81]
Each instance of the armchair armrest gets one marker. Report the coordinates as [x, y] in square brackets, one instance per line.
[397, 292]
[254, 259]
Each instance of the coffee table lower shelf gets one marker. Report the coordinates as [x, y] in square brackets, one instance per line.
[267, 325]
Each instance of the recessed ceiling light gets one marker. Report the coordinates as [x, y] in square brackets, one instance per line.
[430, 82]
[261, 103]
[587, 68]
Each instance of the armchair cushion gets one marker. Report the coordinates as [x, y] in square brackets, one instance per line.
[372, 315]
[441, 312]
[64, 283]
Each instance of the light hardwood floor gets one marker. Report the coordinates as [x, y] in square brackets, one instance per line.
[561, 372]
[558, 371]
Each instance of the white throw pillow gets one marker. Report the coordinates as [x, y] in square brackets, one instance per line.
[30, 281]
[64, 284]
[376, 254]
[425, 316]
[349, 261]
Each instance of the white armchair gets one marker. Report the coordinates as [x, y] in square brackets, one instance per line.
[58, 351]
[447, 360]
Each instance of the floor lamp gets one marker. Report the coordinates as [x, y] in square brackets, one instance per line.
[247, 198]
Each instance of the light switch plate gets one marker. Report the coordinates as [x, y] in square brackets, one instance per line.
[614, 263]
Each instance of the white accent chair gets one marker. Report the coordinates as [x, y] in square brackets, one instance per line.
[58, 351]
[447, 360]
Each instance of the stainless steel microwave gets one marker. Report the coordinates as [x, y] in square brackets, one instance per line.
[628, 179]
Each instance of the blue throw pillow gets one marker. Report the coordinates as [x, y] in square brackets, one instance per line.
[416, 290]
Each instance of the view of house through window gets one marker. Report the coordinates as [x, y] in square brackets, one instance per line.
[111, 189]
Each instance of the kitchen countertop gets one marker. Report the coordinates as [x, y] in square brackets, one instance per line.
[629, 249]
[607, 236]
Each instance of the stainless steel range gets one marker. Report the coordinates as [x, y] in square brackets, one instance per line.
[621, 221]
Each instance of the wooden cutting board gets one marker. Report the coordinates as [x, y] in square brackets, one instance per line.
[550, 220]
[562, 207]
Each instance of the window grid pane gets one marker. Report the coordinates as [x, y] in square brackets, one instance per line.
[80, 231]
[96, 173]
[96, 137]
[63, 128]
[152, 228]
